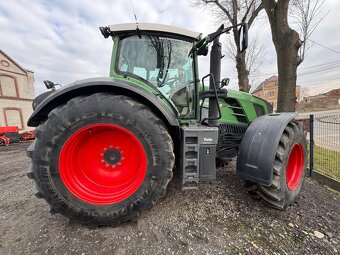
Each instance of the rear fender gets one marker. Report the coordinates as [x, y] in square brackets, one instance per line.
[258, 147]
[96, 85]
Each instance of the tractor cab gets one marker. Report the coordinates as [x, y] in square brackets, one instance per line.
[159, 56]
[165, 58]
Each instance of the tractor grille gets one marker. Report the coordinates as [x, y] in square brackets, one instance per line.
[238, 110]
[229, 140]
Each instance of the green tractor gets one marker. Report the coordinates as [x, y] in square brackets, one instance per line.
[105, 148]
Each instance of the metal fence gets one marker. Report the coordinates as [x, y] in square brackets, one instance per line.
[324, 148]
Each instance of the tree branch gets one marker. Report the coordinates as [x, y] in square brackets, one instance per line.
[235, 7]
[219, 5]
[254, 14]
[247, 10]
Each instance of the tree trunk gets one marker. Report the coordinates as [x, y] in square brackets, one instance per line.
[287, 44]
[287, 62]
[242, 73]
[241, 67]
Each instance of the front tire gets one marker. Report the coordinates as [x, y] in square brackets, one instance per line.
[101, 159]
[288, 171]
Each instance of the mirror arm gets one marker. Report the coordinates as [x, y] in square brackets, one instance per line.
[201, 49]
[221, 30]
[202, 44]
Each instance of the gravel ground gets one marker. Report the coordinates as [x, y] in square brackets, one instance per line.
[219, 218]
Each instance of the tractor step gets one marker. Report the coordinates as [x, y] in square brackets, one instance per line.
[198, 155]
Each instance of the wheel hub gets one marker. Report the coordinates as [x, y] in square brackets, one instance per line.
[112, 156]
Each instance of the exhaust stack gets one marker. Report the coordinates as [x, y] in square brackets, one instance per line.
[215, 70]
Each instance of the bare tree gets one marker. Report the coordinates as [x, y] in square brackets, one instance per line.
[304, 93]
[163, 50]
[234, 12]
[288, 45]
[307, 15]
[254, 57]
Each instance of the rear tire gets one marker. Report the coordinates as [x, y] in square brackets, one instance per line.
[288, 171]
[101, 159]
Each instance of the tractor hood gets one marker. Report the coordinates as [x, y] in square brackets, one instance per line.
[248, 97]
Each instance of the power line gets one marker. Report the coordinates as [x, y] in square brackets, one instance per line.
[318, 82]
[324, 64]
[314, 71]
[323, 46]
[320, 70]
[307, 67]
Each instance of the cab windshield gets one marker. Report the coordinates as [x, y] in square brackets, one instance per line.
[165, 63]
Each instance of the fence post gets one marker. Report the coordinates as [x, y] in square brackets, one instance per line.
[311, 144]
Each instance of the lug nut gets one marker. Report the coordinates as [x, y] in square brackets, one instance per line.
[101, 154]
[102, 161]
[105, 149]
[119, 164]
[113, 166]
[107, 165]
[117, 147]
[110, 146]
[122, 158]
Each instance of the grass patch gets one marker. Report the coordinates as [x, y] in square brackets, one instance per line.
[327, 162]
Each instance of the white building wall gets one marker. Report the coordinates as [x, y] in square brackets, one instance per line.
[16, 93]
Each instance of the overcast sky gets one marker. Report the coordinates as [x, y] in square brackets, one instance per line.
[60, 41]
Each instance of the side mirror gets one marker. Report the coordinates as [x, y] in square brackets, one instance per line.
[243, 37]
[49, 84]
[225, 82]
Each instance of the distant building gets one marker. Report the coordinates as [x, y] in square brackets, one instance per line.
[16, 93]
[325, 100]
[268, 90]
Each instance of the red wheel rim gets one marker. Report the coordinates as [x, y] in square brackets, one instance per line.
[102, 164]
[294, 167]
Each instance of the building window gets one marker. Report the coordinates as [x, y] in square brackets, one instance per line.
[271, 93]
[4, 63]
[8, 86]
[13, 117]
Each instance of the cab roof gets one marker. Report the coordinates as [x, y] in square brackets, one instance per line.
[153, 27]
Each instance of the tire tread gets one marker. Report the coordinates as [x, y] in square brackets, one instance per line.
[275, 195]
[59, 120]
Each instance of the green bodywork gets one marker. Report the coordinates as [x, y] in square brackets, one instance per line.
[247, 102]
[240, 115]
